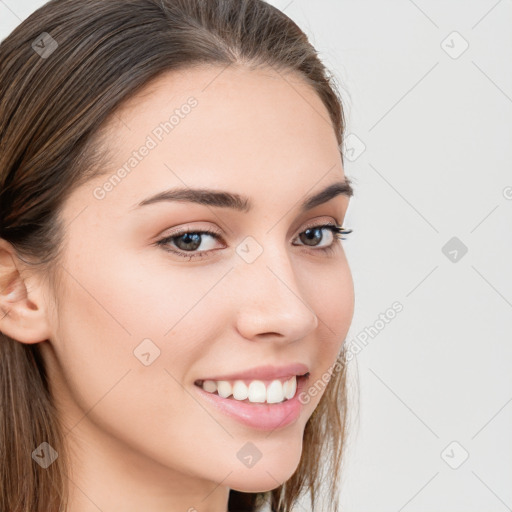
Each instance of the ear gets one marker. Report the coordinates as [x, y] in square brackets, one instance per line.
[23, 310]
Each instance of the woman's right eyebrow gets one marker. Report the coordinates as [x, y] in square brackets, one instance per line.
[226, 199]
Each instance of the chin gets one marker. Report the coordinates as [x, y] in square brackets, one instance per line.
[262, 477]
[254, 485]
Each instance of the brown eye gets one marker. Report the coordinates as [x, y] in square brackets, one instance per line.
[312, 236]
[187, 243]
[190, 241]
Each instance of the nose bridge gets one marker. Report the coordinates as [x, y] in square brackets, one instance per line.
[270, 299]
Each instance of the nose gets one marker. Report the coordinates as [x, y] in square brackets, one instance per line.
[270, 302]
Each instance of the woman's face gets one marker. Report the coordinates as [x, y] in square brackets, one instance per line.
[137, 325]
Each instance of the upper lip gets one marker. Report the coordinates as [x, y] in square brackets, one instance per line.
[266, 372]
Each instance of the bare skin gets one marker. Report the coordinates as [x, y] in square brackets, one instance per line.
[139, 436]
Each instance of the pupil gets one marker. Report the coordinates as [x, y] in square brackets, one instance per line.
[191, 238]
[312, 233]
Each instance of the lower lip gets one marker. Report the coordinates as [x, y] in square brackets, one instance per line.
[261, 416]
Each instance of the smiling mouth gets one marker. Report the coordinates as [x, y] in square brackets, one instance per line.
[254, 391]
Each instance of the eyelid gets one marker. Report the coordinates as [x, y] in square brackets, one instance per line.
[317, 221]
[187, 227]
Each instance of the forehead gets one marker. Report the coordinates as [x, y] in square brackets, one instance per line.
[262, 107]
[262, 131]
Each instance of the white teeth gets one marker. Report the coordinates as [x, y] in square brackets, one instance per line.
[210, 386]
[224, 388]
[291, 387]
[275, 392]
[240, 390]
[256, 392]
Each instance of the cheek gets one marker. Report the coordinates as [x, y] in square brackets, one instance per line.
[330, 290]
[129, 316]
[332, 299]
[135, 322]
[106, 385]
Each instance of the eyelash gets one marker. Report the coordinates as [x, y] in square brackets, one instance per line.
[336, 230]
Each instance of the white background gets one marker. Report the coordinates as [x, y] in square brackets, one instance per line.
[430, 158]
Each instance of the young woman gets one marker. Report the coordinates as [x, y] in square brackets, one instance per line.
[174, 293]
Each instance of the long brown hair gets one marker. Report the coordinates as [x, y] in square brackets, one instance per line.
[63, 72]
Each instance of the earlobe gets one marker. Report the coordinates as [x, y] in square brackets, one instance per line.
[23, 311]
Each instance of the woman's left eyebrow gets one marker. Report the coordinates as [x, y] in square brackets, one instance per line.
[225, 199]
